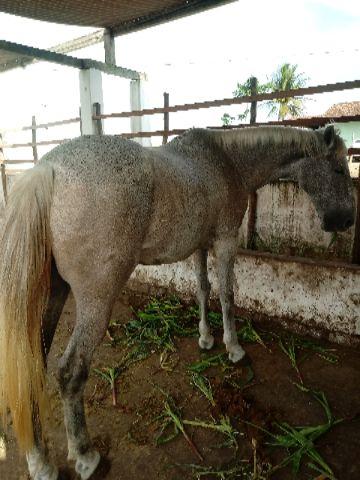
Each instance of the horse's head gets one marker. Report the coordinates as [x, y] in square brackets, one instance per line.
[326, 179]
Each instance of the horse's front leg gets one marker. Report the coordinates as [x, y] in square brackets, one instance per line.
[206, 340]
[225, 252]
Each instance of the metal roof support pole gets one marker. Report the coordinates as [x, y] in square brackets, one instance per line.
[137, 102]
[90, 92]
[109, 47]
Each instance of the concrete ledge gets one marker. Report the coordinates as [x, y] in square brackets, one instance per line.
[319, 298]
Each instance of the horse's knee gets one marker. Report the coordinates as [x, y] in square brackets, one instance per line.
[204, 287]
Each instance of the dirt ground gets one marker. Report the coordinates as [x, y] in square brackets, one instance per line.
[261, 391]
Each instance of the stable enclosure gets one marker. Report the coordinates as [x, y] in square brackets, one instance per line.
[158, 407]
[284, 255]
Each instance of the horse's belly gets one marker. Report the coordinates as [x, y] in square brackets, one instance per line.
[168, 242]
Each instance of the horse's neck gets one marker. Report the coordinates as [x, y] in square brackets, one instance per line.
[263, 155]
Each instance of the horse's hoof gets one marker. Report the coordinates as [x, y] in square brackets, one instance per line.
[236, 354]
[86, 464]
[53, 475]
[102, 469]
[40, 469]
[206, 343]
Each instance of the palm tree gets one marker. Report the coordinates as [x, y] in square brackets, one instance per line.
[286, 77]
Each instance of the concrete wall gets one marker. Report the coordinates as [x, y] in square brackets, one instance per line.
[287, 223]
[317, 298]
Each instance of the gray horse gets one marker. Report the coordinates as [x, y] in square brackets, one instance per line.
[96, 207]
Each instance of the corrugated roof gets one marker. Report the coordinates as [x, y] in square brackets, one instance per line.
[121, 16]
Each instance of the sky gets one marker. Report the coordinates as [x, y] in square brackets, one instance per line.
[201, 57]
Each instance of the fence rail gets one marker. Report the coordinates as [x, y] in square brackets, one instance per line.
[38, 126]
[331, 87]
[166, 109]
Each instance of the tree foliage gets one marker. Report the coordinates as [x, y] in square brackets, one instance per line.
[286, 77]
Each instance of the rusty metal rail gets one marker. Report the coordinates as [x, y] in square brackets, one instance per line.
[38, 126]
[310, 122]
[299, 92]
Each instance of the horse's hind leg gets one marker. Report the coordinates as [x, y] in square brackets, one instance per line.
[94, 302]
[38, 464]
[225, 251]
[59, 292]
[206, 340]
[73, 373]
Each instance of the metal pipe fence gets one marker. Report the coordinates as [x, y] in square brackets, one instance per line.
[166, 109]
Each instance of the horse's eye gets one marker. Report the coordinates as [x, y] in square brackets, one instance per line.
[339, 170]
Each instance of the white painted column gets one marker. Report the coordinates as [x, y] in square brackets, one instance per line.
[137, 102]
[90, 93]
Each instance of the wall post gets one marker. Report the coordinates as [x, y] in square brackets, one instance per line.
[33, 138]
[90, 93]
[137, 102]
[252, 201]
[166, 119]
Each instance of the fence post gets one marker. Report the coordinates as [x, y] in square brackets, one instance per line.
[33, 138]
[97, 122]
[252, 201]
[137, 102]
[90, 93]
[166, 119]
[356, 244]
[253, 106]
[3, 172]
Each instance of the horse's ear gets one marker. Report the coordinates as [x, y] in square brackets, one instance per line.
[330, 136]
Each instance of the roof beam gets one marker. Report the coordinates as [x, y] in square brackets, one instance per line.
[66, 47]
[67, 60]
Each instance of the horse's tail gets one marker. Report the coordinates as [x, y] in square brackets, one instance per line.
[25, 265]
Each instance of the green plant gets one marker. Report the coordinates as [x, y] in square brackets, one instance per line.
[203, 384]
[109, 375]
[241, 383]
[292, 345]
[248, 334]
[299, 441]
[288, 346]
[224, 426]
[156, 326]
[171, 416]
[212, 361]
[241, 470]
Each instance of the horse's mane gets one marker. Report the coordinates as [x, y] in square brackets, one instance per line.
[310, 142]
[295, 138]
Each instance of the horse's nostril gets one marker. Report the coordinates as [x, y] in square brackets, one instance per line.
[348, 222]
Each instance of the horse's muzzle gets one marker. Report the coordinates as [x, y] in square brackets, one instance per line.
[338, 220]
